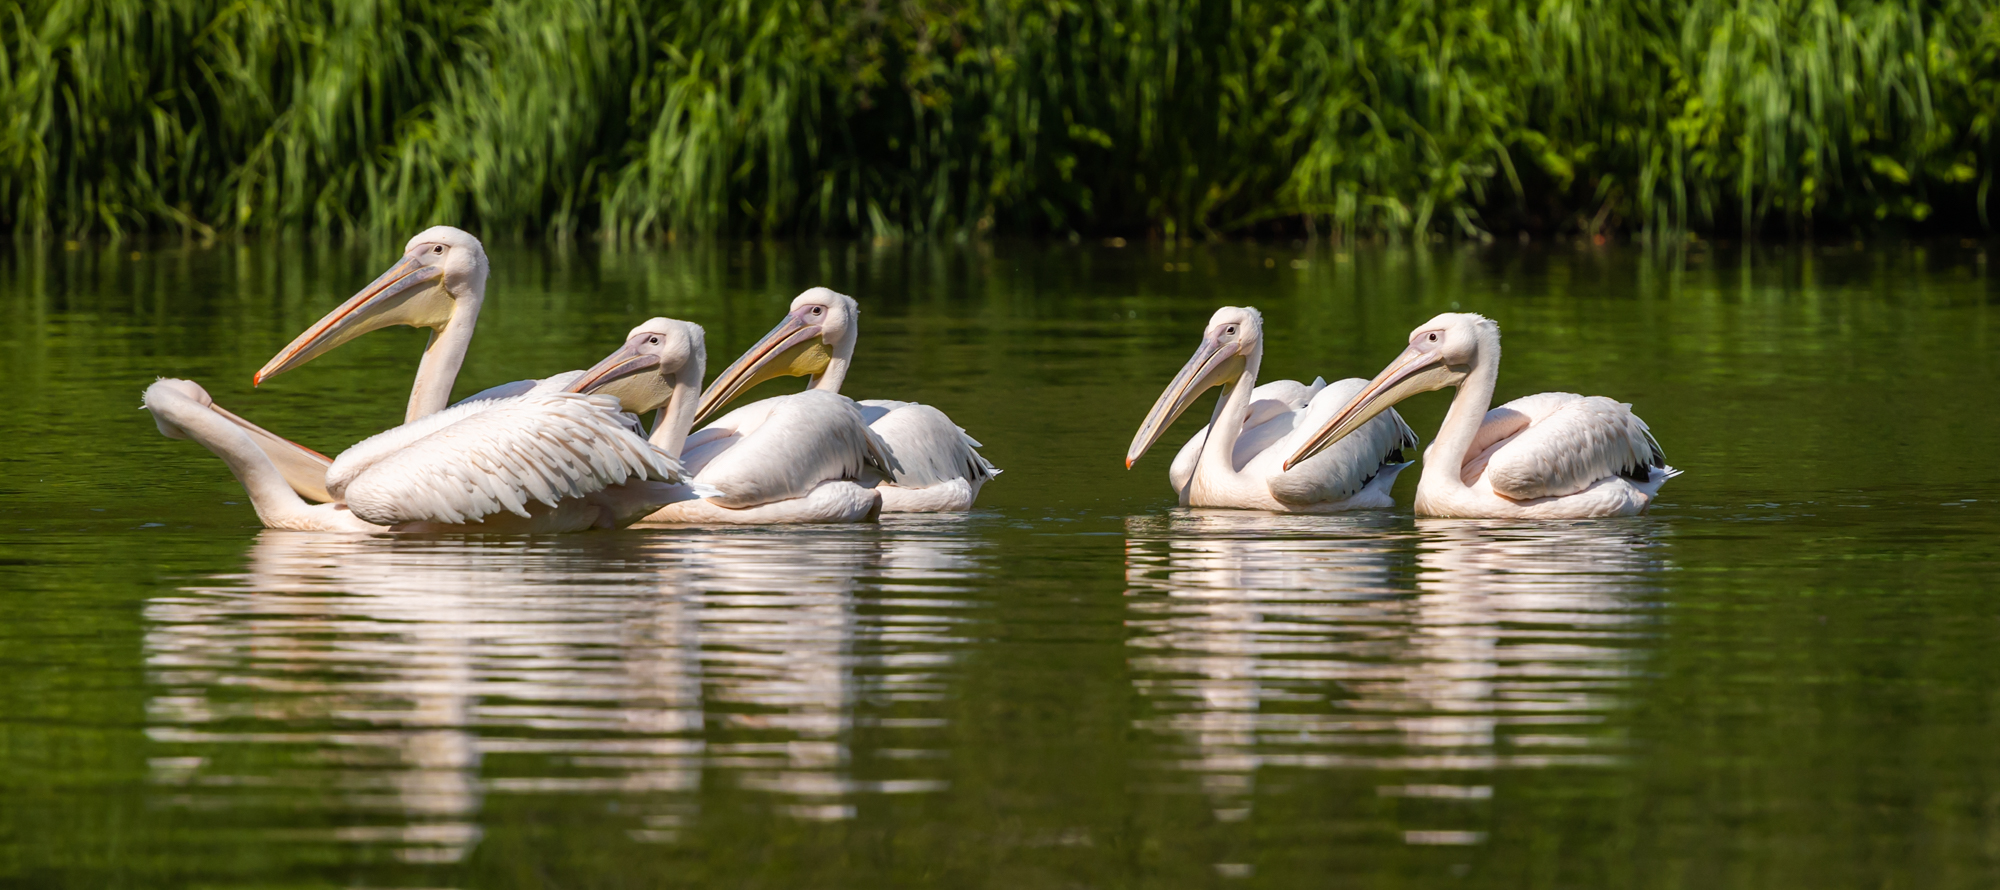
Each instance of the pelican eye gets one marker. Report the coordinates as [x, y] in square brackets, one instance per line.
[1229, 330]
[1433, 336]
[438, 249]
[817, 310]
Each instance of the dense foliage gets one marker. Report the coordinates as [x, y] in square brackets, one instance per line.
[645, 118]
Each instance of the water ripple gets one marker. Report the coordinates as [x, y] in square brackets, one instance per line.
[1358, 643]
[417, 677]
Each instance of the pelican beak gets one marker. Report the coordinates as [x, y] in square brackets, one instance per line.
[401, 295]
[792, 349]
[632, 358]
[1213, 364]
[1415, 370]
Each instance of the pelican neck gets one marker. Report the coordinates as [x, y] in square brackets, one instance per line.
[1225, 426]
[1444, 460]
[444, 355]
[675, 419]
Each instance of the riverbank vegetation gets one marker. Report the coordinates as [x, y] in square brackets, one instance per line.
[644, 119]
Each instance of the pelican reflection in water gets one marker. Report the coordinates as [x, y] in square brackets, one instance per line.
[1310, 642]
[397, 683]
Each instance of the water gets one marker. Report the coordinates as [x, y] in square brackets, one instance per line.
[1783, 676]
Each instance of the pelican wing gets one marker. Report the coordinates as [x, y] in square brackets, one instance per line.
[784, 447]
[704, 444]
[303, 468]
[1344, 468]
[1558, 443]
[725, 433]
[924, 447]
[521, 388]
[479, 459]
[1272, 409]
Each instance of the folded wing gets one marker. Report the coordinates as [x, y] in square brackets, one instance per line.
[925, 447]
[1558, 443]
[784, 447]
[482, 458]
[1345, 467]
[520, 388]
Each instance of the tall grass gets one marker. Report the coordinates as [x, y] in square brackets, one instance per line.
[651, 118]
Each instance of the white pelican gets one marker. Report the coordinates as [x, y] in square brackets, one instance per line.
[1555, 455]
[555, 461]
[782, 460]
[1234, 461]
[937, 467]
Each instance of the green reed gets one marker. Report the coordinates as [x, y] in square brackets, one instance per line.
[651, 118]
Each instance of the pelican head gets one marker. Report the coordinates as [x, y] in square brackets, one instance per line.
[1441, 353]
[440, 268]
[817, 332]
[641, 372]
[1233, 334]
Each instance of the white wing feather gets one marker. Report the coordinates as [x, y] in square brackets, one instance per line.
[1558, 443]
[482, 458]
[782, 448]
[925, 447]
[1347, 466]
[521, 388]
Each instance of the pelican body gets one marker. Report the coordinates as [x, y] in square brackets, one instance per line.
[1554, 455]
[547, 461]
[603, 485]
[790, 459]
[932, 465]
[1235, 461]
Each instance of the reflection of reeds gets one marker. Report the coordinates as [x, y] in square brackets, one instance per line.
[652, 117]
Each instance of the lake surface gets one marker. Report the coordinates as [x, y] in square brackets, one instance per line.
[1787, 675]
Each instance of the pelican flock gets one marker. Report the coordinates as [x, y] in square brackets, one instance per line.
[569, 452]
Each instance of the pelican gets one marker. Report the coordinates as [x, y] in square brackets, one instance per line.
[1234, 461]
[455, 471]
[937, 467]
[788, 459]
[1554, 455]
[556, 461]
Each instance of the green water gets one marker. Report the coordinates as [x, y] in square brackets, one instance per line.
[1785, 676]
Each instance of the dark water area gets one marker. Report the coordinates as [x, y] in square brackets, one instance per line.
[1784, 676]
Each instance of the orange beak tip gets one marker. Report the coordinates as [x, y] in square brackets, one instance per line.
[1128, 463]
